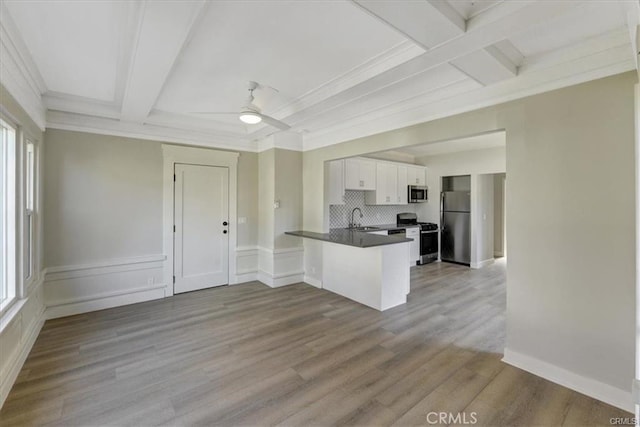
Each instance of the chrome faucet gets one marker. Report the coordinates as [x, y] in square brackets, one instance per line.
[353, 224]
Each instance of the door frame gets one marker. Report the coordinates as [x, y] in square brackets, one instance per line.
[172, 154]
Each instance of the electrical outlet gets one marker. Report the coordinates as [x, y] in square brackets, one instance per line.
[276, 204]
[242, 220]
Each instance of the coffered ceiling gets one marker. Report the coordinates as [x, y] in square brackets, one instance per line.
[343, 69]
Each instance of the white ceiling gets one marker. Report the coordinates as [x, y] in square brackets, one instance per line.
[344, 69]
[475, 142]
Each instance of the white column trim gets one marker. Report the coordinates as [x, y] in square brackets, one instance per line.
[636, 382]
[173, 154]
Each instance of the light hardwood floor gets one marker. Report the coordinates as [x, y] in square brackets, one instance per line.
[250, 355]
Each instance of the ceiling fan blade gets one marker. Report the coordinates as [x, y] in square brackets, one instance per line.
[275, 122]
[213, 112]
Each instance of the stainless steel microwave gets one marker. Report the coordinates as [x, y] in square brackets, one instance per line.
[418, 194]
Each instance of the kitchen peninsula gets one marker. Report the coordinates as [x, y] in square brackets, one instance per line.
[368, 268]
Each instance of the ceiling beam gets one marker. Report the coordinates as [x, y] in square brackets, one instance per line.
[497, 24]
[163, 30]
[486, 66]
[428, 23]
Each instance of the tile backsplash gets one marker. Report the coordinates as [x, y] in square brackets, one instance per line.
[340, 215]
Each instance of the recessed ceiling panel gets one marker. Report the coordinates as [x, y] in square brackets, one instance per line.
[589, 20]
[73, 43]
[294, 46]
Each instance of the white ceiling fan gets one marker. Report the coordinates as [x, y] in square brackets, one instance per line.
[252, 114]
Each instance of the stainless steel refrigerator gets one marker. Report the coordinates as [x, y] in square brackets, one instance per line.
[455, 227]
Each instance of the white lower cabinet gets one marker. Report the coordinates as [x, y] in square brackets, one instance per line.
[414, 233]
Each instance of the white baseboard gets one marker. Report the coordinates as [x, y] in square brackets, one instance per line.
[75, 289]
[481, 264]
[313, 281]
[593, 388]
[103, 301]
[244, 277]
[275, 281]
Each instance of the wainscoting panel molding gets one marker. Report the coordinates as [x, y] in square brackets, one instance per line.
[78, 289]
[25, 319]
[246, 265]
[280, 267]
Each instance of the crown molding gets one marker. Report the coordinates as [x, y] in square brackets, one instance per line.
[102, 126]
[18, 72]
[286, 140]
[55, 101]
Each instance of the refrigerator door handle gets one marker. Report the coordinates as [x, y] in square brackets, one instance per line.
[441, 211]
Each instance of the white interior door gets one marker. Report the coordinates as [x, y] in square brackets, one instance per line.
[201, 239]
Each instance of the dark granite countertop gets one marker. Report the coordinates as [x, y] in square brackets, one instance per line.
[359, 239]
[381, 227]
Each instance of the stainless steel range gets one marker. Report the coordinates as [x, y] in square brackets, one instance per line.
[428, 236]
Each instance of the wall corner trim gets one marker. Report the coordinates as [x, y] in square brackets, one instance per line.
[483, 263]
[312, 281]
[593, 388]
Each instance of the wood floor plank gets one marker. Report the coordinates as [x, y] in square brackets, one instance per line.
[250, 355]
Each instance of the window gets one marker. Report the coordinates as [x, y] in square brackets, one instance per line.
[7, 214]
[29, 207]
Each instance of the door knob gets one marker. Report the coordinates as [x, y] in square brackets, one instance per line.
[224, 231]
[224, 223]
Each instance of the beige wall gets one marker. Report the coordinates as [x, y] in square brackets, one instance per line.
[482, 219]
[570, 160]
[288, 191]
[104, 198]
[473, 162]
[266, 198]
[498, 214]
[248, 199]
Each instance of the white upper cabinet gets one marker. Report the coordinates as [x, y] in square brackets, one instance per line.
[416, 175]
[402, 185]
[385, 182]
[336, 182]
[386, 192]
[360, 174]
